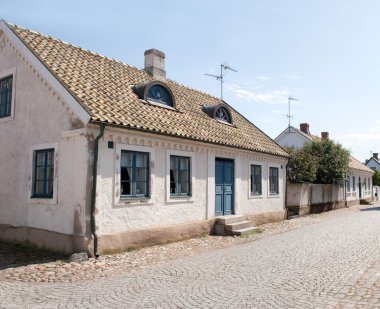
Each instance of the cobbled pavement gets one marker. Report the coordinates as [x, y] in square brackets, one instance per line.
[334, 263]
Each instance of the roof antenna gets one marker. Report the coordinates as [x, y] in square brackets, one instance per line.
[288, 115]
[223, 69]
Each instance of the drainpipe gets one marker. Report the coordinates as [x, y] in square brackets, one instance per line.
[93, 193]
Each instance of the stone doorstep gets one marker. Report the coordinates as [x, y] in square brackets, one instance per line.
[245, 231]
[237, 225]
[230, 219]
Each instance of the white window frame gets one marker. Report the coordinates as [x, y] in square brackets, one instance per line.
[4, 74]
[274, 195]
[263, 187]
[46, 201]
[125, 201]
[180, 198]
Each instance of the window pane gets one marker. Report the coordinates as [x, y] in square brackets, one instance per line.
[184, 176]
[174, 176]
[50, 173]
[126, 158]
[184, 163]
[141, 188]
[141, 174]
[50, 187]
[141, 159]
[39, 188]
[173, 187]
[40, 157]
[185, 187]
[40, 172]
[50, 158]
[126, 188]
[173, 162]
[126, 173]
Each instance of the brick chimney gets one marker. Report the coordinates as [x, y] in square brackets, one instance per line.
[304, 127]
[375, 155]
[325, 135]
[155, 63]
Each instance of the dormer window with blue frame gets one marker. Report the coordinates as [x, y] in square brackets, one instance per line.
[155, 92]
[219, 112]
[222, 115]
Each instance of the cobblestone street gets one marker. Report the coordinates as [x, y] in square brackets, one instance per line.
[331, 260]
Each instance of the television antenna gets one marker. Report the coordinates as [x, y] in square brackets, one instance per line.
[223, 69]
[288, 115]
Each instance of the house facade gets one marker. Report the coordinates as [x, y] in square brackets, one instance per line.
[359, 181]
[101, 156]
[373, 163]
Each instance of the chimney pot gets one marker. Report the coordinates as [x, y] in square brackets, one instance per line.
[325, 135]
[376, 155]
[304, 127]
[155, 63]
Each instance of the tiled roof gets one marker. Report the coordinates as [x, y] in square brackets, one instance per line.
[103, 87]
[357, 165]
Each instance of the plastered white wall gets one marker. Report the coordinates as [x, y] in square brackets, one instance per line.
[353, 192]
[291, 138]
[116, 215]
[40, 117]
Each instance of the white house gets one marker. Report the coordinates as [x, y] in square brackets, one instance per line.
[359, 182]
[98, 156]
[373, 163]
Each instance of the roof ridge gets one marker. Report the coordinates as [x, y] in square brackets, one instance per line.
[70, 44]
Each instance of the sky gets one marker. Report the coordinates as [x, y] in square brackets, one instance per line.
[324, 53]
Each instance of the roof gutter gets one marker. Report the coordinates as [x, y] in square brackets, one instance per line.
[94, 182]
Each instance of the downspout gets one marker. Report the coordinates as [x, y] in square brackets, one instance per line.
[94, 181]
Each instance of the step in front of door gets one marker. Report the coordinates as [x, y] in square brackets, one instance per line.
[246, 231]
[238, 225]
[230, 219]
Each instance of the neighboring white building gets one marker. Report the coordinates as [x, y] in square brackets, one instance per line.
[99, 154]
[359, 182]
[373, 163]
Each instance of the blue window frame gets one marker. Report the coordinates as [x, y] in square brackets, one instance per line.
[273, 180]
[134, 176]
[256, 176]
[5, 96]
[43, 175]
[349, 184]
[180, 183]
[160, 94]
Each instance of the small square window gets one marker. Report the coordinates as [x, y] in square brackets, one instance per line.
[43, 173]
[6, 96]
[134, 176]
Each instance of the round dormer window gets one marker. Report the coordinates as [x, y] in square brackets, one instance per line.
[155, 92]
[222, 114]
[159, 94]
[219, 112]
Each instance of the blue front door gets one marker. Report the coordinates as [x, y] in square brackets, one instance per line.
[224, 187]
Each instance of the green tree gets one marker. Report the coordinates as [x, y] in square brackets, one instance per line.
[332, 160]
[302, 166]
[376, 179]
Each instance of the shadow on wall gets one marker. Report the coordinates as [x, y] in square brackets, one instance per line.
[371, 209]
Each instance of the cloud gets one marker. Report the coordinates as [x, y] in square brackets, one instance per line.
[251, 93]
[290, 76]
[361, 143]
